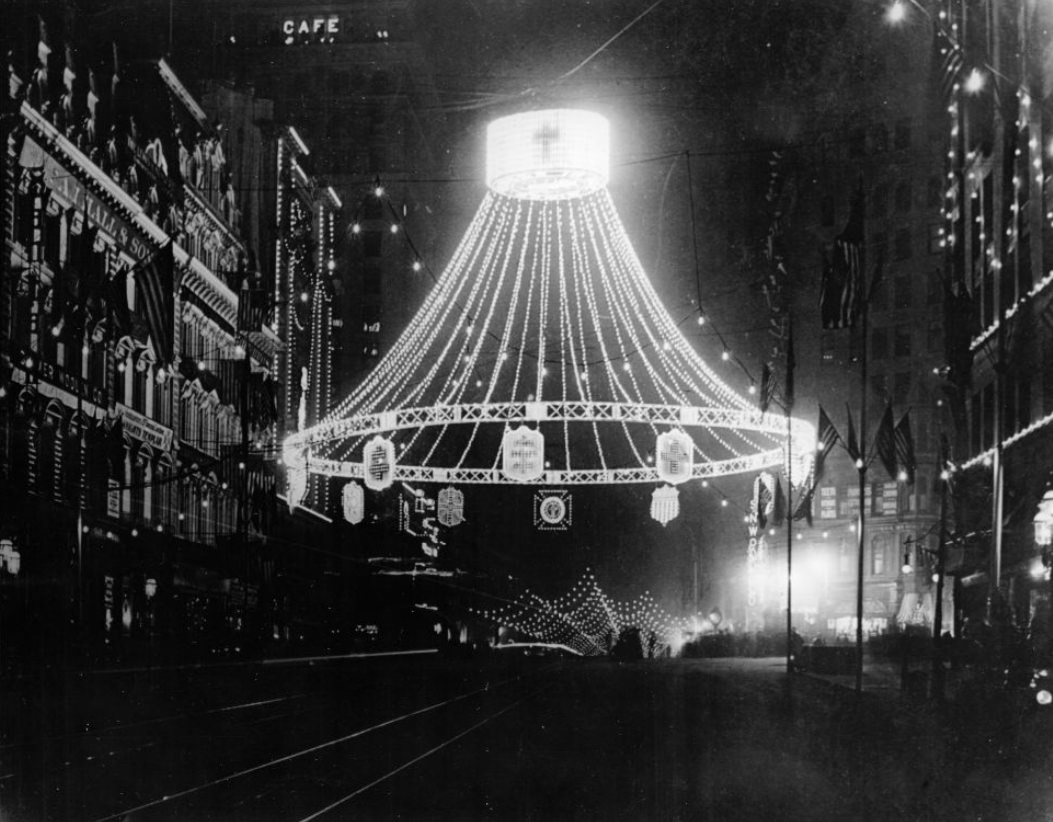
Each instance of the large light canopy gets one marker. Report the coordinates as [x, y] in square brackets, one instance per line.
[543, 354]
[548, 155]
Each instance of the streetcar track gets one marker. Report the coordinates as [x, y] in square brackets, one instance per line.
[486, 688]
[409, 763]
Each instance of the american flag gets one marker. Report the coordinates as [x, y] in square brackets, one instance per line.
[904, 441]
[841, 292]
[156, 298]
[949, 58]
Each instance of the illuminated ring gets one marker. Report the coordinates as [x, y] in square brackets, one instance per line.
[555, 154]
[299, 450]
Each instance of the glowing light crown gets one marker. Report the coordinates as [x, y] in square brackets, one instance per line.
[556, 154]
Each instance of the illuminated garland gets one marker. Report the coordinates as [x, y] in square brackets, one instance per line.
[587, 620]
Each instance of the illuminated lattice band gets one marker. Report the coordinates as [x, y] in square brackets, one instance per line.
[543, 355]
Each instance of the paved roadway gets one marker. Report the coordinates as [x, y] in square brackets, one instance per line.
[424, 738]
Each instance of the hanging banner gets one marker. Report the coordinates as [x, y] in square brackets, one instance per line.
[451, 507]
[675, 458]
[665, 504]
[354, 503]
[523, 454]
[378, 460]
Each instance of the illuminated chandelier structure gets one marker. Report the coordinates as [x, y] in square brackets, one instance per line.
[543, 355]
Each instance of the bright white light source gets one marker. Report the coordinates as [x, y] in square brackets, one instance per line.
[897, 12]
[974, 82]
[555, 154]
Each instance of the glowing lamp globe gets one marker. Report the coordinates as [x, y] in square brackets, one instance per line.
[555, 154]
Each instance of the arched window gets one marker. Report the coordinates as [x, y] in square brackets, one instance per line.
[50, 450]
[165, 491]
[142, 476]
[73, 485]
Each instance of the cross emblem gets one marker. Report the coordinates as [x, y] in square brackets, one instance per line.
[674, 456]
[545, 137]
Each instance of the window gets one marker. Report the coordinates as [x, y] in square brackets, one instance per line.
[903, 134]
[901, 346]
[903, 244]
[878, 549]
[901, 292]
[879, 344]
[901, 387]
[904, 198]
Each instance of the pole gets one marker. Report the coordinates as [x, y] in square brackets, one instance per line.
[861, 465]
[789, 545]
[937, 619]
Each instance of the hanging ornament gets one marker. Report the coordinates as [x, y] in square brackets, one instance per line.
[676, 457]
[451, 507]
[378, 459]
[552, 510]
[354, 503]
[523, 454]
[297, 490]
[665, 504]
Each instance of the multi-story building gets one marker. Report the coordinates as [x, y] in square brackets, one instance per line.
[353, 79]
[141, 375]
[996, 127]
[869, 152]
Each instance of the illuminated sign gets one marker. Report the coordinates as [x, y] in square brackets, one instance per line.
[320, 29]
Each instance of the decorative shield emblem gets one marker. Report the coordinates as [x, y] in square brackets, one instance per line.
[297, 490]
[378, 462]
[451, 507]
[665, 504]
[354, 499]
[523, 454]
[552, 511]
[676, 457]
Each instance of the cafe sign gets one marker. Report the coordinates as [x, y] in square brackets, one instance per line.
[322, 29]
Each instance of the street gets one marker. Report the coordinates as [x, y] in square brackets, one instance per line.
[420, 737]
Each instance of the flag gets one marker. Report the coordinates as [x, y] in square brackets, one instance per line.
[948, 59]
[761, 500]
[904, 441]
[826, 438]
[156, 298]
[791, 364]
[804, 506]
[840, 293]
[767, 388]
[778, 513]
[885, 442]
[852, 445]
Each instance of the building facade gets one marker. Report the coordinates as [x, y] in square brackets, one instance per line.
[140, 369]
